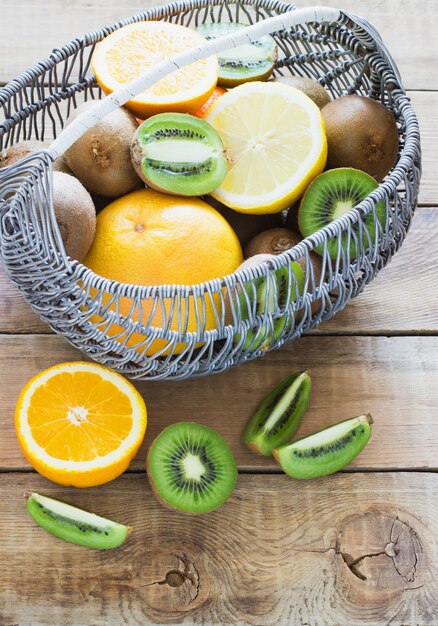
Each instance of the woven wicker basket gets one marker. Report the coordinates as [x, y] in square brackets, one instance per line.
[342, 51]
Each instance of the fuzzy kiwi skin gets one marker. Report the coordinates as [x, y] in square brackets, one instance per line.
[101, 158]
[22, 149]
[361, 133]
[245, 225]
[75, 215]
[306, 458]
[310, 87]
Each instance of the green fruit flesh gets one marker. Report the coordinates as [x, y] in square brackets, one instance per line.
[267, 299]
[251, 61]
[191, 468]
[331, 195]
[75, 525]
[327, 451]
[180, 154]
[279, 415]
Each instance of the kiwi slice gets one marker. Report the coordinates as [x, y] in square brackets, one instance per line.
[75, 525]
[268, 291]
[179, 154]
[326, 451]
[331, 195]
[252, 61]
[191, 468]
[279, 414]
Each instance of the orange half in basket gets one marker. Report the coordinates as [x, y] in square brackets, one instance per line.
[128, 52]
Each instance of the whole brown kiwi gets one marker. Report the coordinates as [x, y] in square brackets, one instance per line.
[310, 87]
[244, 225]
[21, 149]
[101, 158]
[361, 133]
[75, 214]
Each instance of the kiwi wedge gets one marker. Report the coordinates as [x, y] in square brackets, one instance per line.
[278, 416]
[179, 154]
[268, 292]
[331, 195]
[252, 61]
[191, 468]
[75, 525]
[326, 451]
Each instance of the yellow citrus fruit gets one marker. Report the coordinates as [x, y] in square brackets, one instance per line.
[131, 50]
[275, 142]
[80, 423]
[150, 238]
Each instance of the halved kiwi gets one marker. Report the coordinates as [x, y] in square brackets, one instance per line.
[331, 195]
[326, 451]
[191, 468]
[75, 525]
[179, 154]
[252, 61]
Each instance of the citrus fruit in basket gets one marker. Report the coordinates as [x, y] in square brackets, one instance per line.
[80, 423]
[129, 51]
[150, 238]
[275, 143]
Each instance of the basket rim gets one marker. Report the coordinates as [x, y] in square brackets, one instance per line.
[385, 188]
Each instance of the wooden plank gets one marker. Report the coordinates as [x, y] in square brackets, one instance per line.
[399, 300]
[410, 35]
[425, 102]
[393, 378]
[358, 550]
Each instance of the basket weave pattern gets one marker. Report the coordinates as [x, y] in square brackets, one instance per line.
[346, 56]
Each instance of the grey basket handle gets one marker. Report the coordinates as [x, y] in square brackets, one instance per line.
[89, 118]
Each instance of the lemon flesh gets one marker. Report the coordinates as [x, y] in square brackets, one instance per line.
[275, 144]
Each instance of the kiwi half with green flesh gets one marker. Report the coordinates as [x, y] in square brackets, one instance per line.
[179, 154]
[269, 292]
[278, 240]
[191, 468]
[252, 61]
[75, 525]
[361, 133]
[278, 416]
[331, 195]
[326, 451]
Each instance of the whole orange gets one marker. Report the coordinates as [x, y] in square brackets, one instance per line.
[150, 238]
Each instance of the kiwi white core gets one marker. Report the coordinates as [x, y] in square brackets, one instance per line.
[341, 208]
[333, 432]
[71, 512]
[192, 466]
[178, 151]
[247, 51]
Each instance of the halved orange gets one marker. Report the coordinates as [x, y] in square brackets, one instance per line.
[80, 423]
[129, 51]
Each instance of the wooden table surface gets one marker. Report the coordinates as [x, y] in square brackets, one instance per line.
[355, 549]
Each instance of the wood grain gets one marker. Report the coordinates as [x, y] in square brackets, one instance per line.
[401, 299]
[392, 378]
[409, 34]
[344, 550]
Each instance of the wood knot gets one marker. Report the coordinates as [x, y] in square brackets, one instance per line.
[176, 590]
[382, 549]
